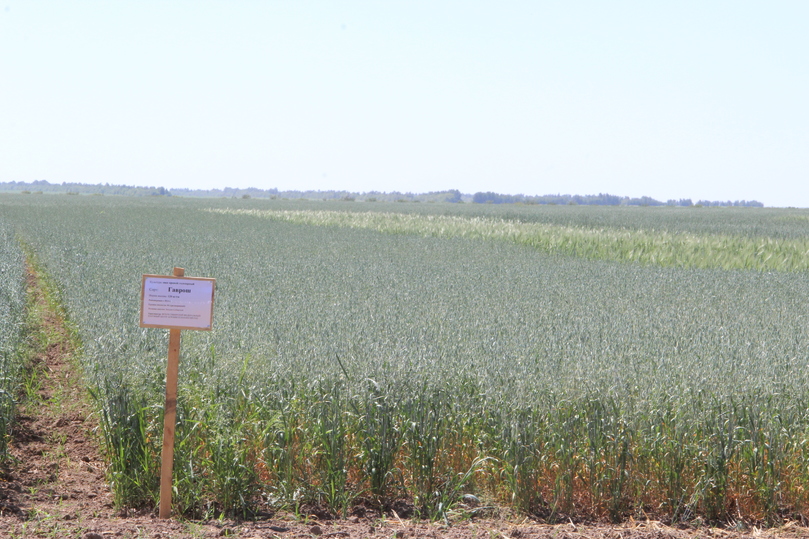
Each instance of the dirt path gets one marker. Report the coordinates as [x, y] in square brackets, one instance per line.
[57, 472]
[56, 486]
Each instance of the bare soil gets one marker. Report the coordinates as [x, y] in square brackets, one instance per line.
[56, 487]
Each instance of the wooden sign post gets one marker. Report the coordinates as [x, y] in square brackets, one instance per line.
[175, 302]
[169, 419]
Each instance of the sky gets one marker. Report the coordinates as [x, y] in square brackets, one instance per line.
[688, 99]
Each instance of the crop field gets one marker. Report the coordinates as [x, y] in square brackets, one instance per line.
[12, 314]
[591, 362]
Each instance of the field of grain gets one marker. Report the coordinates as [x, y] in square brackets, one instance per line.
[562, 361]
[12, 324]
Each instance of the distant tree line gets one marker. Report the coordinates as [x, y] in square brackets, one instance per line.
[602, 199]
[43, 186]
[451, 195]
[748, 203]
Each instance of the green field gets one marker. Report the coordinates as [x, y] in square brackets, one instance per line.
[595, 362]
[12, 322]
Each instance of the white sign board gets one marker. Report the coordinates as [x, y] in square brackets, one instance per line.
[176, 302]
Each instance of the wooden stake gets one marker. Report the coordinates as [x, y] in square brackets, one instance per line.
[170, 417]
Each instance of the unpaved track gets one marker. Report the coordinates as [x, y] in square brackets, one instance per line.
[57, 473]
[56, 486]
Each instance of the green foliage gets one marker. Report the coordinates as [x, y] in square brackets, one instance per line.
[12, 334]
[381, 433]
[332, 426]
[128, 430]
[560, 384]
[425, 415]
[650, 247]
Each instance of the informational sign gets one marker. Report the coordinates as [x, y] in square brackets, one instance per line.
[177, 302]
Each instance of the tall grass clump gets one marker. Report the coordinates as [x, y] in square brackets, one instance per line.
[333, 420]
[520, 437]
[217, 460]
[425, 415]
[381, 432]
[131, 440]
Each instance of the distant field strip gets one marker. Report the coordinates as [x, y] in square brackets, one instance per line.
[649, 247]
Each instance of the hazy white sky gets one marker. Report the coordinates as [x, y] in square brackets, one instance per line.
[688, 99]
